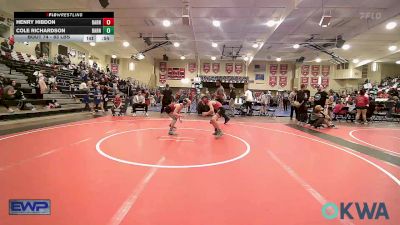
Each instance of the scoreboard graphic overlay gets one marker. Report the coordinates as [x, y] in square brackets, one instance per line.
[64, 26]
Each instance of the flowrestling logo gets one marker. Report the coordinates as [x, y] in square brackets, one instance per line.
[29, 207]
[374, 211]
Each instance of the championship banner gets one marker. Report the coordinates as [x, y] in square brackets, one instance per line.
[325, 82]
[206, 67]
[238, 68]
[273, 80]
[176, 73]
[283, 68]
[192, 67]
[315, 70]
[229, 67]
[163, 67]
[305, 70]
[215, 67]
[114, 68]
[325, 70]
[163, 70]
[273, 68]
[282, 81]
[304, 80]
[314, 82]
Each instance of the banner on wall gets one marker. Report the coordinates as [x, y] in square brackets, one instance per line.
[325, 70]
[114, 68]
[273, 68]
[163, 71]
[325, 82]
[305, 70]
[273, 80]
[206, 67]
[215, 67]
[304, 80]
[315, 70]
[229, 67]
[283, 68]
[192, 67]
[238, 68]
[176, 73]
[259, 76]
[314, 82]
[282, 81]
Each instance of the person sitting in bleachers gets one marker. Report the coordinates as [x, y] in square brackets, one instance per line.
[4, 46]
[337, 109]
[117, 104]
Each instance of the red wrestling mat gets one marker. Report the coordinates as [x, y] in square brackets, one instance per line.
[128, 171]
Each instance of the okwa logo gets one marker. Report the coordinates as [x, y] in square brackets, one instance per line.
[363, 210]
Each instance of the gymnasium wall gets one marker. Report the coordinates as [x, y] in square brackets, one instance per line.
[143, 71]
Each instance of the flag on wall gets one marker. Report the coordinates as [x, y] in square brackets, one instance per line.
[325, 82]
[283, 68]
[238, 68]
[163, 71]
[273, 68]
[315, 70]
[206, 67]
[305, 70]
[304, 80]
[314, 82]
[229, 67]
[282, 81]
[325, 70]
[192, 67]
[215, 67]
[272, 80]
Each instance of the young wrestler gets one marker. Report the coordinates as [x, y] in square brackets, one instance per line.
[217, 111]
[173, 110]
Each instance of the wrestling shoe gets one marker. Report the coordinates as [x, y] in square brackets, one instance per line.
[219, 134]
[227, 120]
[172, 133]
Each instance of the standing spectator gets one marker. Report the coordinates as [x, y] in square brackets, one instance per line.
[362, 103]
[104, 92]
[42, 85]
[166, 97]
[265, 100]
[117, 104]
[98, 99]
[292, 96]
[330, 103]
[320, 97]
[285, 100]
[232, 97]
[249, 100]
[302, 97]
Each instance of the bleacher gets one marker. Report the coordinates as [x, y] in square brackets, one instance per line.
[20, 67]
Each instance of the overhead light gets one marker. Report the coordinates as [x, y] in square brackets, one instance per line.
[246, 58]
[392, 48]
[216, 23]
[176, 44]
[391, 25]
[125, 44]
[183, 57]
[214, 44]
[317, 60]
[356, 60]
[270, 23]
[278, 59]
[114, 56]
[255, 45]
[92, 43]
[140, 56]
[296, 46]
[398, 62]
[346, 47]
[213, 58]
[166, 23]
[325, 21]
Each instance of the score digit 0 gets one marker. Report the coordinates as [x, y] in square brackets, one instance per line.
[108, 21]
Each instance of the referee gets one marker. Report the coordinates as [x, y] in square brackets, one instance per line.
[220, 96]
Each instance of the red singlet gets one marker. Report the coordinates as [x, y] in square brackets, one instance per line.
[217, 105]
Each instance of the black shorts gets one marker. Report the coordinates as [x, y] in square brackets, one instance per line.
[220, 111]
[168, 110]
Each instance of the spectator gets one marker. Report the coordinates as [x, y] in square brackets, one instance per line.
[139, 102]
[330, 103]
[249, 100]
[11, 42]
[320, 97]
[319, 119]
[117, 104]
[292, 96]
[265, 100]
[362, 103]
[42, 85]
[285, 100]
[302, 98]
[98, 99]
[83, 86]
[4, 46]
[232, 97]
[52, 83]
[166, 97]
